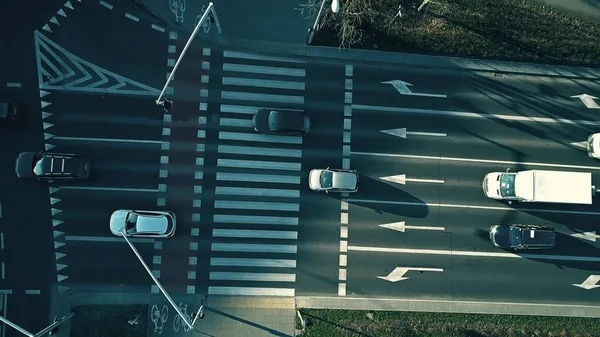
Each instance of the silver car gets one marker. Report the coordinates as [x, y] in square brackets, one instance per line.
[332, 180]
[150, 224]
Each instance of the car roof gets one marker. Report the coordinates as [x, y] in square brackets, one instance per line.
[531, 236]
[151, 223]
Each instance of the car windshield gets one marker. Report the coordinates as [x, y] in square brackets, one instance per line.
[38, 165]
[273, 120]
[326, 179]
[507, 185]
[515, 237]
[130, 221]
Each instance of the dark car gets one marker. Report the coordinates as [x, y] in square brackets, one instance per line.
[46, 165]
[522, 236]
[8, 110]
[281, 122]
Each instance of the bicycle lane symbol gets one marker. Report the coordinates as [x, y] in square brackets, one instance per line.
[207, 23]
[178, 7]
[159, 317]
[178, 322]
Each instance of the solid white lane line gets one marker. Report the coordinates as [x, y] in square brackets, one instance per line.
[494, 208]
[475, 115]
[250, 291]
[255, 137]
[257, 205]
[265, 277]
[242, 262]
[256, 248]
[253, 96]
[253, 82]
[257, 192]
[254, 234]
[253, 56]
[255, 219]
[258, 178]
[247, 68]
[473, 160]
[259, 164]
[106, 239]
[259, 151]
[474, 254]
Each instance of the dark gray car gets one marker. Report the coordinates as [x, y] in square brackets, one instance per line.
[47, 165]
[8, 110]
[522, 236]
[281, 122]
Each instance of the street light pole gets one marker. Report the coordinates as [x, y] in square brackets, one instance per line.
[164, 292]
[163, 101]
[48, 329]
[313, 29]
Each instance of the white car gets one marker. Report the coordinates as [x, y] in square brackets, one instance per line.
[332, 180]
[149, 224]
[593, 146]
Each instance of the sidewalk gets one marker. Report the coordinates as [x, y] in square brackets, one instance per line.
[264, 20]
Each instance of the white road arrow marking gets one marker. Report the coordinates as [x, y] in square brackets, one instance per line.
[590, 236]
[582, 144]
[588, 100]
[403, 89]
[401, 227]
[398, 273]
[589, 283]
[401, 179]
[403, 133]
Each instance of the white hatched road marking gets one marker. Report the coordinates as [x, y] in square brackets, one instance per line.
[255, 137]
[255, 219]
[254, 234]
[257, 205]
[246, 68]
[233, 262]
[265, 277]
[262, 151]
[238, 291]
[250, 247]
[257, 164]
[257, 192]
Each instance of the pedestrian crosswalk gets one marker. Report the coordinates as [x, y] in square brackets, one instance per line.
[257, 189]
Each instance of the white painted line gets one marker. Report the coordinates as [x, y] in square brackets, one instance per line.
[3, 271]
[246, 68]
[431, 134]
[1, 240]
[258, 178]
[252, 56]
[475, 115]
[254, 234]
[13, 85]
[247, 291]
[264, 277]
[254, 82]
[112, 140]
[474, 160]
[109, 189]
[0, 210]
[475, 254]
[33, 291]
[260, 151]
[239, 109]
[131, 17]
[258, 164]
[107, 5]
[107, 239]
[432, 181]
[235, 122]
[257, 97]
[257, 205]
[257, 192]
[255, 137]
[254, 248]
[159, 28]
[255, 219]
[342, 289]
[495, 208]
[271, 263]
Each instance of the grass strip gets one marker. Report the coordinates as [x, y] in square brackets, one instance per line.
[514, 30]
[357, 323]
